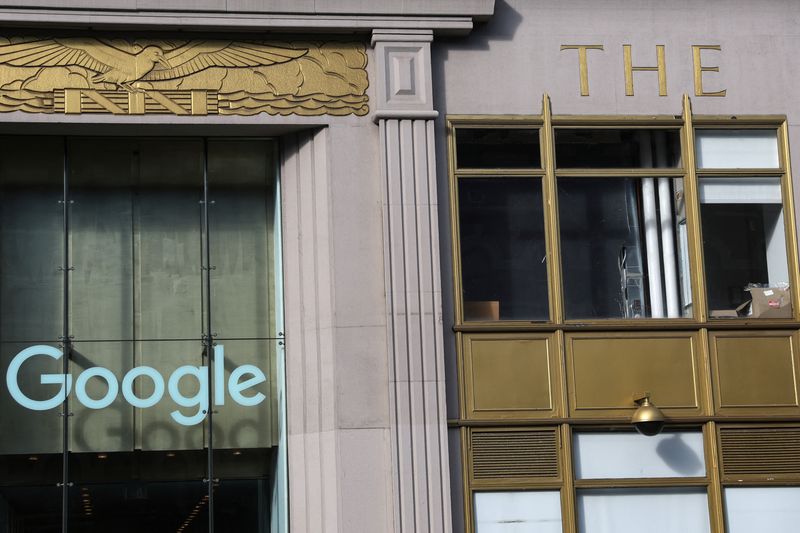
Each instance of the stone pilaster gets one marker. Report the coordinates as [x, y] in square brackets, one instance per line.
[404, 112]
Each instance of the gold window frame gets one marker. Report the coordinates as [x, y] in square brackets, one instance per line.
[687, 124]
[708, 414]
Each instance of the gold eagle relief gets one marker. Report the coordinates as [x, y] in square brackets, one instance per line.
[75, 75]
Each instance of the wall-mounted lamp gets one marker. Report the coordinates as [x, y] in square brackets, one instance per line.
[648, 419]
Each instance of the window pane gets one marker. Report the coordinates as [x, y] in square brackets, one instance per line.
[31, 508]
[242, 183]
[35, 431]
[617, 148]
[736, 148]
[497, 148]
[503, 255]
[773, 509]
[744, 247]
[630, 455]
[140, 504]
[31, 238]
[637, 510]
[624, 248]
[518, 512]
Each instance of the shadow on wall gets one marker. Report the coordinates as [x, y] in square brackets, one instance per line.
[502, 26]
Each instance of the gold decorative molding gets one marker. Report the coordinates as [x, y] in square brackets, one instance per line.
[75, 75]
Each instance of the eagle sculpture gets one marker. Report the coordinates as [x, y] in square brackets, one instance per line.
[151, 63]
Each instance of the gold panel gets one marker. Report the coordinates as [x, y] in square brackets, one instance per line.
[510, 376]
[74, 75]
[755, 372]
[605, 370]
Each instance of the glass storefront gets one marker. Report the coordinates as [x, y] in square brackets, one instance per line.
[140, 335]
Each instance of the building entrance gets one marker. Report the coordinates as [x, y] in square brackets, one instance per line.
[140, 334]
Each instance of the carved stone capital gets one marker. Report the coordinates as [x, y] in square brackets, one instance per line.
[403, 72]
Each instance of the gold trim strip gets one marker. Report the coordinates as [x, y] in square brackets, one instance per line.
[620, 173]
[552, 239]
[790, 217]
[699, 310]
[618, 121]
[499, 173]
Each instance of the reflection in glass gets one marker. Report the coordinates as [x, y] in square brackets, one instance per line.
[630, 455]
[617, 148]
[624, 248]
[736, 148]
[497, 148]
[503, 254]
[744, 247]
[636, 510]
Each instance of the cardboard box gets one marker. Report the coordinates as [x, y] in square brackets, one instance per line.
[771, 302]
[482, 310]
[731, 313]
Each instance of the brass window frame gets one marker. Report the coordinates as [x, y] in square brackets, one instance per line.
[699, 326]
[687, 123]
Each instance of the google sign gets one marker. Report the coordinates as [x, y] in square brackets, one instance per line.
[242, 378]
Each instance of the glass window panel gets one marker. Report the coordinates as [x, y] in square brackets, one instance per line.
[773, 509]
[243, 237]
[156, 427]
[240, 505]
[518, 512]
[503, 254]
[617, 148]
[624, 248]
[31, 508]
[238, 426]
[744, 247]
[139, 505]
[635, 510]
[111, 428]
[31, 238]
[736, 148]
[35, 431]
[630, 455]
[135, 238]
[101, 238]
[497, 148]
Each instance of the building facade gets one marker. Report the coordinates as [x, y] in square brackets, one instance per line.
[326, 266]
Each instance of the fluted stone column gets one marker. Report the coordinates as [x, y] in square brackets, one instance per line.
[404, 112]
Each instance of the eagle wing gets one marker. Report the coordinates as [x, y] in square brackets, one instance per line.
[200, 55]
[75, 51]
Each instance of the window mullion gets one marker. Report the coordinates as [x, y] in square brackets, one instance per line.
[699, 304]
[208, 337]
[66, 344]
[551, 216]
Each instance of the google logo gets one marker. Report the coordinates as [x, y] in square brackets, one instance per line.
[241, 379]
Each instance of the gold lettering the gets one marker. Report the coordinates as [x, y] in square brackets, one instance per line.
[583, 63]
[661, 68]
[699, 69]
